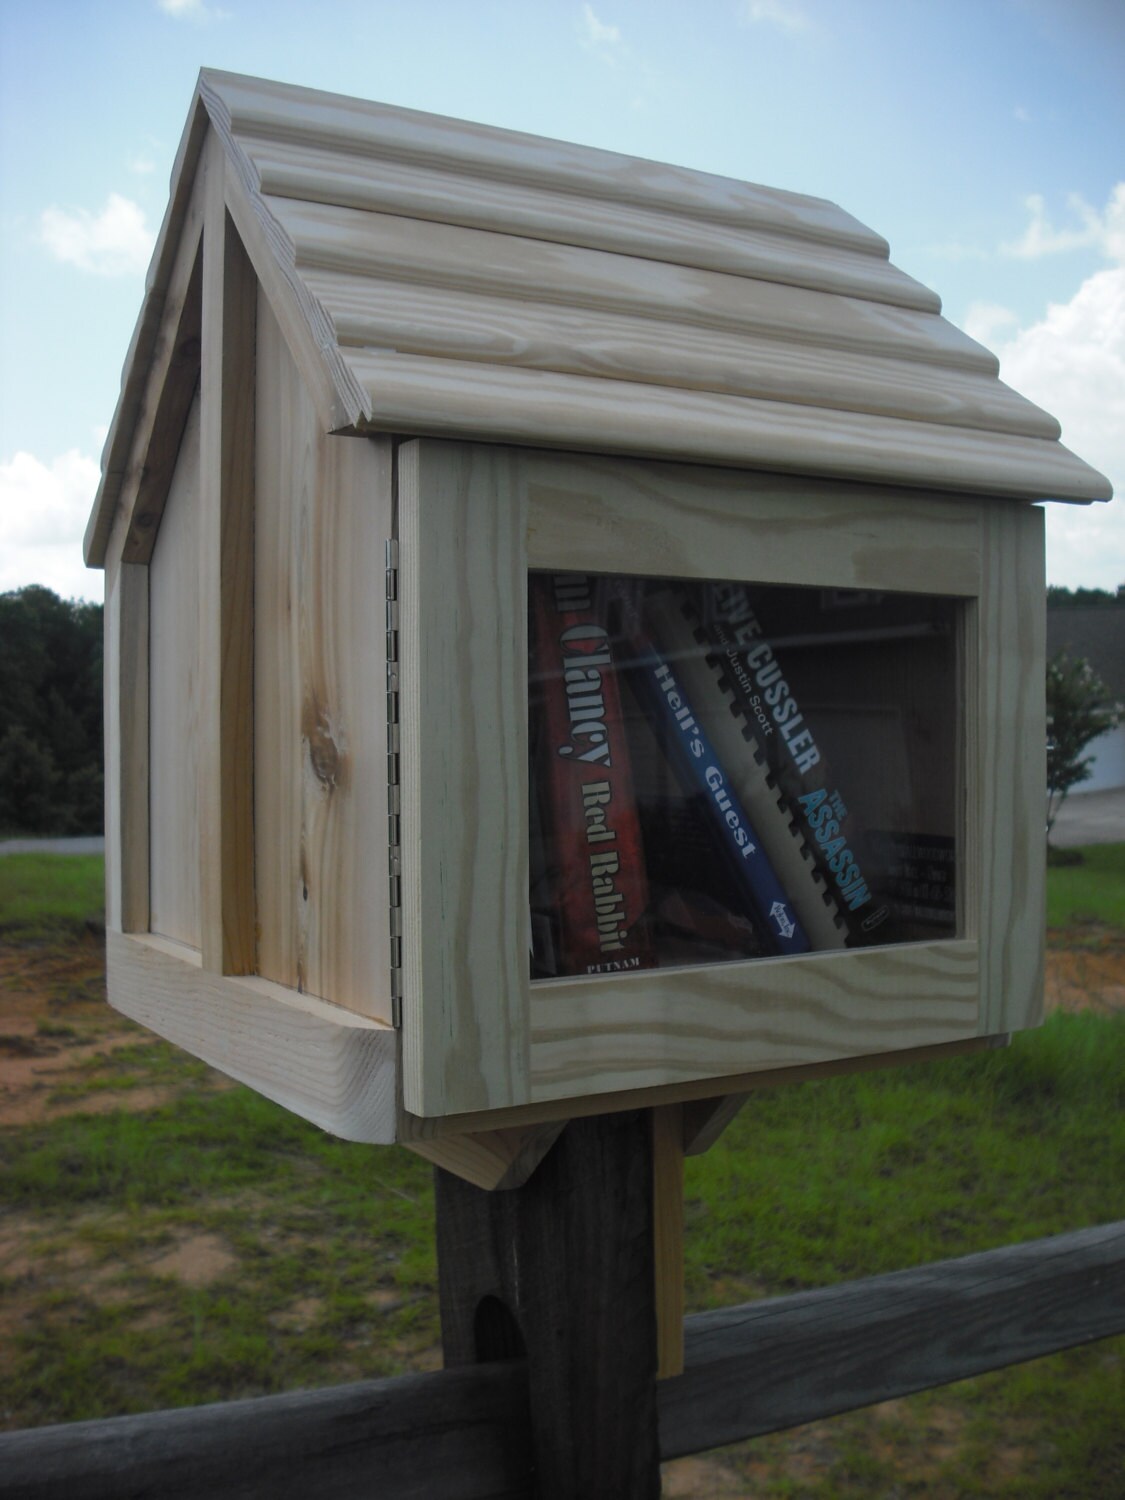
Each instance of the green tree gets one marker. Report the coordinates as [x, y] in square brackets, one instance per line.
[28, 784]
[50, 713]
[1079, 708]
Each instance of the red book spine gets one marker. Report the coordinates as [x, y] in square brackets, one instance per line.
[595, 853]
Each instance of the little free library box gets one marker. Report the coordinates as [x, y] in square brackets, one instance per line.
[575, 635]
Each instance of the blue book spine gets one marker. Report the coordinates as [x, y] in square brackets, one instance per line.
[700, 771]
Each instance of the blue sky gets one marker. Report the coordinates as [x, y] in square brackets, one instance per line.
[985, 141]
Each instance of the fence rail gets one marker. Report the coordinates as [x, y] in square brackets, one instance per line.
[462, 1433]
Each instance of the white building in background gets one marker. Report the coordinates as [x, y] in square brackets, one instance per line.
[1097, 633]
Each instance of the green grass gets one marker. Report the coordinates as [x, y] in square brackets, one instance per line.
[330, 1246]
[847, 1177]
[1093, 890]
[47, 896]
[327, 1267]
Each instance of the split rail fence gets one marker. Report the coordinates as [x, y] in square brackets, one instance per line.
[463, 1434]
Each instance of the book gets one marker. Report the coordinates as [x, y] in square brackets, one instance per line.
[679, 631]
[589, 886]
[782, 746]
[661, 690]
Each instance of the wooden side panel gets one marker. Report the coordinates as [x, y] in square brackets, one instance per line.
[174, 703]
[1013, 771]
[323, 515]
[335, 1069]
[463, 635]
[226, 580]
[125, 689]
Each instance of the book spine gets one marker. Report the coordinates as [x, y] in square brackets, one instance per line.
[783, 744]
[595, 854]
[702, 773]
[677, 629]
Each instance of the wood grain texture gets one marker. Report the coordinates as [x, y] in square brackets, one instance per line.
[463, 652]
[308, 331]
[453, 1434]
[670, 1025]
[1013, 740]
[173, 697]
[173, 381]
[125, 684]
[464, 1433]
[439, 277]
[593, 1035]
[563, 1269]
[452, 398]
[495, 1160]
[226, 594]
[668, 1237]
[320, 774]
[298, 169]
[385, 247]
[322, 1062]
[131, 732]
[679, 521]
[700, 1091]
[785, 1361]
[438, 322]
[385, 236]
[282, 113]
[138, 387]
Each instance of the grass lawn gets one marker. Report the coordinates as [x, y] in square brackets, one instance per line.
[211, 1246]
[45, 896]
[1093, 891]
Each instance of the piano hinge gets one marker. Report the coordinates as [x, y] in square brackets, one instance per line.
[394, 834]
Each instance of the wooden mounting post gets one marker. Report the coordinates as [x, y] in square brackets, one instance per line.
[562, 1271]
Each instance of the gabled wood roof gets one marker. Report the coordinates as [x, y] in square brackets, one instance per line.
[454, 279]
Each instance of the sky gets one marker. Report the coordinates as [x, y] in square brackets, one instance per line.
[984, 139]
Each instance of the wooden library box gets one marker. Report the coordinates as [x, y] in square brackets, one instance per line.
[574, 635]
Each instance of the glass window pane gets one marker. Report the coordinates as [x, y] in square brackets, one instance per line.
[722, 771]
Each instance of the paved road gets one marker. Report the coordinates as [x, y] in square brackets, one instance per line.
[1090, 818]
[53, 846]
[1086, 818]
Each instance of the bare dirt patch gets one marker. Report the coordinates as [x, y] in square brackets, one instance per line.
[1086, 971]
[196, 1260]
[55, 1028]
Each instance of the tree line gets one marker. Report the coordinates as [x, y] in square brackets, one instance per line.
[51, 779]
[1059, 597]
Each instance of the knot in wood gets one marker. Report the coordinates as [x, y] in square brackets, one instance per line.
[326, 748]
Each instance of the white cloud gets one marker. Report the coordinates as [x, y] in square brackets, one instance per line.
[192, 10]
[1093, 230]
[1022, 114]
[43, 513]
[1072, 363]
[986, 321]
[115, 242]
[783, 14]
[595, 32]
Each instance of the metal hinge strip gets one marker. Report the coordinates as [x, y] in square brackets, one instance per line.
[394, 822]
